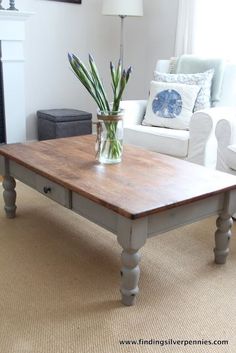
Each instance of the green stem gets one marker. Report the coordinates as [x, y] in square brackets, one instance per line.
[111, 144]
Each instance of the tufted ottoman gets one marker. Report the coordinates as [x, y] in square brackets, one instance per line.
[56, 123]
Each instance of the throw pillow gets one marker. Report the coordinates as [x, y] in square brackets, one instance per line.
[170, 105]
[203, 79]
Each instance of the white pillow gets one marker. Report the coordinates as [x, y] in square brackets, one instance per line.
[170, 105]
[203, 79]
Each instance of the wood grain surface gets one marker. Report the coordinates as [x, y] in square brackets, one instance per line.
[143, 183]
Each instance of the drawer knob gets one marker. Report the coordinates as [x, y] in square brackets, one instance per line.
[47, 189]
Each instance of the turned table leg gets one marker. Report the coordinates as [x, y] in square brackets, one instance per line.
[222, 236]
[131, 236]
[9, 196]
[130, 273]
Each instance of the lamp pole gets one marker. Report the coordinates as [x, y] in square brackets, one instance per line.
[122, 17]
[122, 8]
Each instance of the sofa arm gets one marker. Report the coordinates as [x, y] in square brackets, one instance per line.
[202, 142]
[226, 135]
[134, 111]
[226, 131]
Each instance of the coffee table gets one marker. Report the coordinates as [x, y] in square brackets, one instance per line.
[145, 195]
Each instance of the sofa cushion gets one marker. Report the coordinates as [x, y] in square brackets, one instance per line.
[158, 139]
[192, 64]
[170, 105]
[231, 156]
[202, 79]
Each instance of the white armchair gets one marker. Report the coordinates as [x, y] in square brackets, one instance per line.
[226, 138]
[226, 151]
[198, 145]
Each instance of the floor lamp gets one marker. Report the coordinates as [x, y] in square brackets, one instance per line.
[122, 8]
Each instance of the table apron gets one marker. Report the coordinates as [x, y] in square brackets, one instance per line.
[157, 223]
[23, 174]
[94, 212]
[179, 216]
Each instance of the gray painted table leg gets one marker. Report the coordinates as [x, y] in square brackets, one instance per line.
[222, 235]
[130, 273]
[9, 196]
[131, 236]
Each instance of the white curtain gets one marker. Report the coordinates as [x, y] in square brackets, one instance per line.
[207, 28]
[215, 29]
[185, 27]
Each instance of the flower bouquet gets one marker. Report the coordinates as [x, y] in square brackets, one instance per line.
[110, 123]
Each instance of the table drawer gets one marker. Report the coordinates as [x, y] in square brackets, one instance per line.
[53, 191]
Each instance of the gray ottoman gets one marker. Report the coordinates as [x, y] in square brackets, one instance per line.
[56, 123]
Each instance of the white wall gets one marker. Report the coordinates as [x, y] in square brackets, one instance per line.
[58, 27]
[151, 37]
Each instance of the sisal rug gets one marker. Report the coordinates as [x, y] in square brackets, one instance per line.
[59, 284]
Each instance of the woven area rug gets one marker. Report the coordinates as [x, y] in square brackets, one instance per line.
[59, 285]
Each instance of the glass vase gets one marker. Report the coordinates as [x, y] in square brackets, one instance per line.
[109, 137]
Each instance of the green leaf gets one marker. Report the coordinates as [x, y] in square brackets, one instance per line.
[97, 80]
[90, 79]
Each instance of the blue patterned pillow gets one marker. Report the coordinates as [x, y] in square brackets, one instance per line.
[170, 105]
[202, 79]
[167, 104]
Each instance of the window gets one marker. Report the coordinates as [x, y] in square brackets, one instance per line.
[215, 28]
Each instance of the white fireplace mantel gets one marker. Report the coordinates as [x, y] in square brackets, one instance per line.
[12, 35]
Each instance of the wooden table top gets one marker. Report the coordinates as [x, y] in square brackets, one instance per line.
[143, 183]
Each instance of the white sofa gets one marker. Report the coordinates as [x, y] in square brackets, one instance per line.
[226, 138]
[198, 145]
[226, 141]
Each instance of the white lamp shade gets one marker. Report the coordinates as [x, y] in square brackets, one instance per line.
[122, 7]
